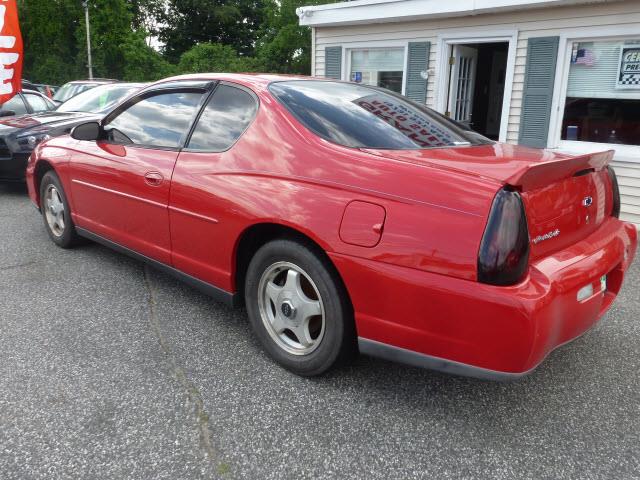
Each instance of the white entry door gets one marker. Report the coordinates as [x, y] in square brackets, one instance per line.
[462, 83]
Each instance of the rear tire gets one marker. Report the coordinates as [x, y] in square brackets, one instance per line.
[56, 212]
[299, 308]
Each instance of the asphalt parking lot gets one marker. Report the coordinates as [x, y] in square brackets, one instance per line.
[111, 370]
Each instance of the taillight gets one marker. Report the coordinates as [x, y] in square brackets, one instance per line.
[503, 258]
[615, 189]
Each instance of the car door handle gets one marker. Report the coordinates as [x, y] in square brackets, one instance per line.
[153, 178]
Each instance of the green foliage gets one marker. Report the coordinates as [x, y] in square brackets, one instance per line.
[227, 22]
[110, 26]
[198, 36]
[50, 45]
[215, 57]
[283, 45]
[145, 15]
[141, 62]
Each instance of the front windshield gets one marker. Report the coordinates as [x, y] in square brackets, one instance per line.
[97, 99]
[367, 117]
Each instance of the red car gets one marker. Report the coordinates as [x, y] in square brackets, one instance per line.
[346, 217]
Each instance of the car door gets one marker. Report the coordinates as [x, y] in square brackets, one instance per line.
[204, 191]
[120, 184]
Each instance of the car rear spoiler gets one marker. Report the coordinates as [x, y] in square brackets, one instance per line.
[543, 174]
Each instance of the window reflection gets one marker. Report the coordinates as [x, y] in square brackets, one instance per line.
[159, 121]
[223, 120]
[365, 117]
[382, 67]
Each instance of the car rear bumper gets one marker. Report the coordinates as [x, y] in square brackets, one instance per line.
[13, 169]
[480, 330]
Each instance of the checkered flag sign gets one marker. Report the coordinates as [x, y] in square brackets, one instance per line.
[629, 73]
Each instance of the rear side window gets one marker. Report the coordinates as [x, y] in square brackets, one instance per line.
[162, 120]
[226, 116]
[367, 117]
[38, 104]
[15, 104]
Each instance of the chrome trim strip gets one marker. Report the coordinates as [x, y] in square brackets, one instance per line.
[122, 194]
[193, 214]
[409, 357]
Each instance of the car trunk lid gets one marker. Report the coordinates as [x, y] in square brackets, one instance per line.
[566, 197]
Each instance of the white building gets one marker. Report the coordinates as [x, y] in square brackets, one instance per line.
[561, 74]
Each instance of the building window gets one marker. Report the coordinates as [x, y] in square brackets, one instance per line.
[603, 93]
[381, 67]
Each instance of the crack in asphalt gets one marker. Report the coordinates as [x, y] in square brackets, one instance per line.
[193, 394]
[17, 265]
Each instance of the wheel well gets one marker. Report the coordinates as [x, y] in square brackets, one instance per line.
[42, 167]
[258, 235]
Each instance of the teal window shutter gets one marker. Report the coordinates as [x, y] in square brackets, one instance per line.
[333, 62]
[537, 94]
[417, 62]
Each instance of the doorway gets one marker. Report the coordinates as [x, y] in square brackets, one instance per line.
[476, 87]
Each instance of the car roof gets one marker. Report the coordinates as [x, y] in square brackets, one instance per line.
[249, 79]
[126, 84]
[95, 80]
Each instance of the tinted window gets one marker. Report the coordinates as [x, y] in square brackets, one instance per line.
[37, 103]
[161, 120]
[223, 120]
[15, 104]
[365, 117]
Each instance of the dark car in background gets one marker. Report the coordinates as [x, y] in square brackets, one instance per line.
[71, 89]
[19, 135]
[25, 102]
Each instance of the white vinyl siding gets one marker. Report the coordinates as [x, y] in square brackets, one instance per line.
[530, 23]
[629, 181]
[543, 22]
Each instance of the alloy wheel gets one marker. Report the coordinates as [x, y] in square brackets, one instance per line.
[54, 210]
[291, 308]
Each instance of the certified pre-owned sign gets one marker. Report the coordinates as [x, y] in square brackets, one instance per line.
[629, 67]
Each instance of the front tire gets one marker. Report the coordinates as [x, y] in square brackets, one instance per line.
[56, 212]
[298, 308]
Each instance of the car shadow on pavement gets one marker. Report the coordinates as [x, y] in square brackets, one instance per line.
[13, 189]
[562, 375]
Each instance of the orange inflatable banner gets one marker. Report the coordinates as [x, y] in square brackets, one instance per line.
[10, 51]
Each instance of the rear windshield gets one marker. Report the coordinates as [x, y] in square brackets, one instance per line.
[367, 117]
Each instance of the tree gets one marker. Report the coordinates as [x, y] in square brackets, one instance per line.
[110, 27]
[227, 22]
[141, 62]
[146, 15]
[283, 45]
[200, 35]
[50, 44]
[215, 57]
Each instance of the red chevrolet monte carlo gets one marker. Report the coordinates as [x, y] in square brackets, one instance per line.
[346, 217]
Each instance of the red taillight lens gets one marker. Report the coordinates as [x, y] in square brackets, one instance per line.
[615, 189]
[503, 258]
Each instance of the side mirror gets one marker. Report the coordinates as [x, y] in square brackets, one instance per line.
[89, 131]
[7, 113]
